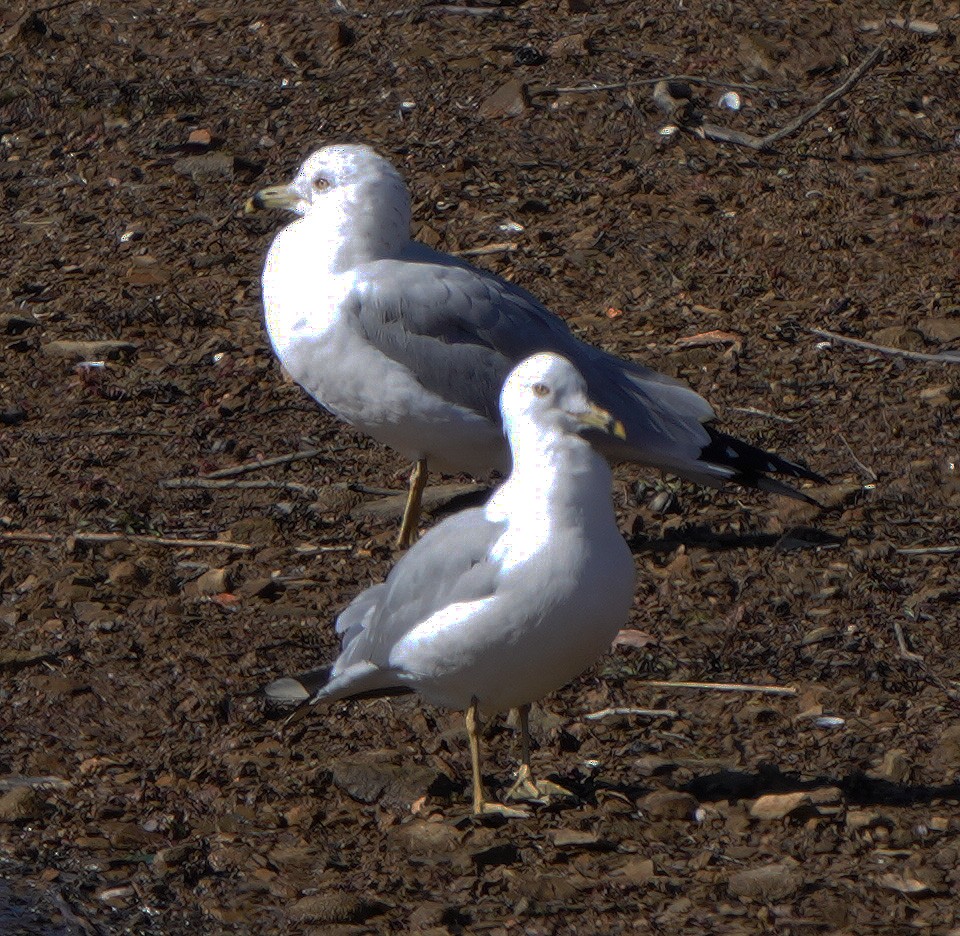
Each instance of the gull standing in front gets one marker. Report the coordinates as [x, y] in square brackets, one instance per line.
[412, 346]
[499, 605]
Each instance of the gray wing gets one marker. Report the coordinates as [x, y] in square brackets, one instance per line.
[461, 330]
[451, 563]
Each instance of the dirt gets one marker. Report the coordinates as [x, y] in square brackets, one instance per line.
[142, 790]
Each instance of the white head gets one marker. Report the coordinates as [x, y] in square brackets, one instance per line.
[549, 392]
[350, 190]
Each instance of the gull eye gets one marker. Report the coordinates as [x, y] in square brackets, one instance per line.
[320, 184]
[540, 390]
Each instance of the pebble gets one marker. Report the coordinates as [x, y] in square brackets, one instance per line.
[211, 582]
[372, 777]
[767, 884]
[777, 806]
[19, 804]
[668, 804]
[422, 837]
[509, 100]
[335, 907]
[90, 350]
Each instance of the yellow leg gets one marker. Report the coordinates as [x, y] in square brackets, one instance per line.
[525, 787]
[481, 805]
[411, 513]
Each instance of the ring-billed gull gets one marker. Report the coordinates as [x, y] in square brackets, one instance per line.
[412, 346]
[499, 605]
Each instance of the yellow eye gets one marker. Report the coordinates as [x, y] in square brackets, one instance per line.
[320, 183]
[540, 390]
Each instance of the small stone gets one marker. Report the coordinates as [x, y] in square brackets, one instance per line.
[509, 100]
[664, 502]
[898, 336]
[573, 46]
[544, 888]
[267, 588]
[669, 804]
[575, 838]
[940, 330]
[374, 777]
[947, 752]
[339, 36]
[421, 837]
[115, 896]
[939, 395]
[200, 138]
[767, 884]
[212, 582]
[903, 883]
[894, 767]
[335, 907]
[777, 806]
[427, 914]
[636, 871]
[825, 796]
[12, 415]
[125, 573]
[20, 803]
[862, 819]
[207, 167]
[90, 350]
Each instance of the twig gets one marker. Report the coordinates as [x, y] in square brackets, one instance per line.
[643, 712]
[793, 125]
[868, 473]
[495, 12]
[905, 652]
[709, 131]
[503, 247]
[639, 82]
[928, 551]
[79, 537]
[721, 687]
[317, 550]
[294, 487]
[587, 89]
[264, 463]
[15, 781]
[943, 357]
[750, 411]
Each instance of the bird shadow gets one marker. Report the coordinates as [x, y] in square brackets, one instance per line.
[856, 788]
[704, 537]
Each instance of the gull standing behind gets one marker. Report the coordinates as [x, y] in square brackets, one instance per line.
[499, 605]
[412, 346]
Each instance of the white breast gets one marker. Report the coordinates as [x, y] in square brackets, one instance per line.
[347, 375]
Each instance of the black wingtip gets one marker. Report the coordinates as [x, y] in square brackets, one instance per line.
[751, 466]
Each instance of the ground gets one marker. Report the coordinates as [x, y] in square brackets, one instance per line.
[170, 801]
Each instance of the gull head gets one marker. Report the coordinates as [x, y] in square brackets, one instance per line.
[338, 179]
[549, 392]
